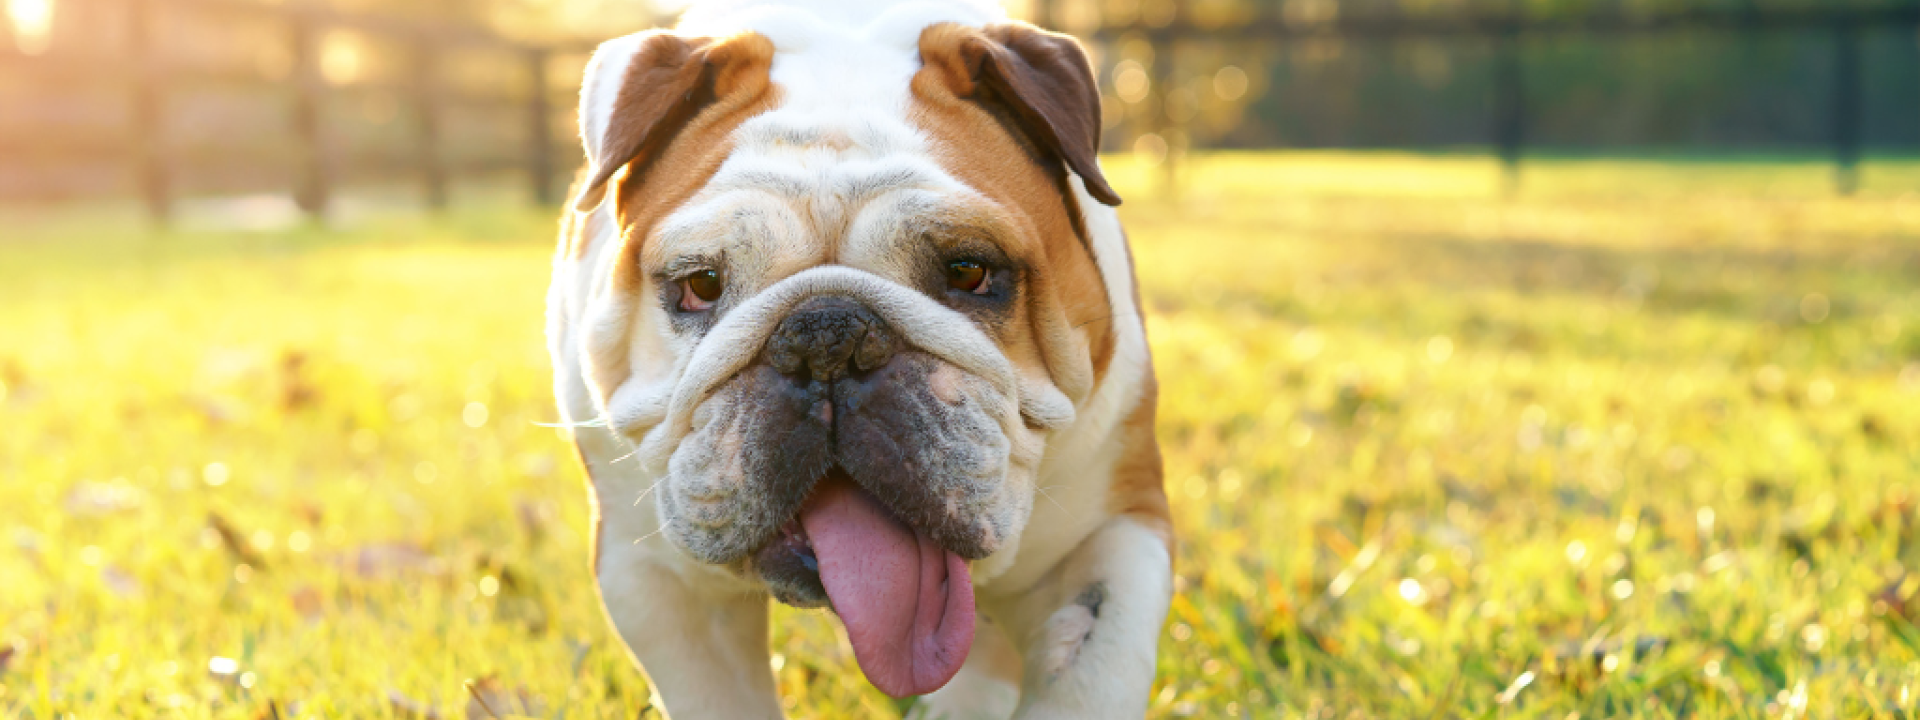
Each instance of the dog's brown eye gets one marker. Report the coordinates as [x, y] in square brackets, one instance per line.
[701, 289]
[967, 275]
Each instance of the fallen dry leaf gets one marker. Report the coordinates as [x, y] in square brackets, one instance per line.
[308, 603]
[534, 518]
[491, 700]
[310, 512]
[406, 707]
[297, 390]
[235, 542]
[273, 711]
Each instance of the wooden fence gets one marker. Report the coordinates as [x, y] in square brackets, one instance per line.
[150, 81]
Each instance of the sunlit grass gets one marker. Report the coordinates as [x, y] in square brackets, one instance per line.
[1638, 441]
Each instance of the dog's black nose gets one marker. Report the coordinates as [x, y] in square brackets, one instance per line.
[825, 338]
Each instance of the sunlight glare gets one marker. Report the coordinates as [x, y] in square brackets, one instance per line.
[32, 22]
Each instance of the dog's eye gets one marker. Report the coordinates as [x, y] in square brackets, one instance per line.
[968, 276]
[700, 290]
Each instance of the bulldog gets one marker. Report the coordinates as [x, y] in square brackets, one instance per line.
[843, 317]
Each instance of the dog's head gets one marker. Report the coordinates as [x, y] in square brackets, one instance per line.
[852, 295]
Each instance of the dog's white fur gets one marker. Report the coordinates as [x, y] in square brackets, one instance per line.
[700, 631]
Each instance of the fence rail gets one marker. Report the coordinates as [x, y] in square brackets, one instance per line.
[149, 81]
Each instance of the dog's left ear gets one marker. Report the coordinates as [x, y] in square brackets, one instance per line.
[1044, 79]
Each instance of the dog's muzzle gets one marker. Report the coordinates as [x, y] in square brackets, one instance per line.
[835, 359]
[825, 340]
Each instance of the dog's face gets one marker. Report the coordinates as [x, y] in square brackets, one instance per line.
[857, 274]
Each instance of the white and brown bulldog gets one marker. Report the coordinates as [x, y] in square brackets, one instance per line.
[845, 318]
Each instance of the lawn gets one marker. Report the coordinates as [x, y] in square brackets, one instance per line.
[1637, 440]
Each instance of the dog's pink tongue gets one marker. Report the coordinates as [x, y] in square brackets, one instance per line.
[907, 603]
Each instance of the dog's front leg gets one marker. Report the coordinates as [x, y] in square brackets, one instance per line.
[705, 651]
[1089, 632]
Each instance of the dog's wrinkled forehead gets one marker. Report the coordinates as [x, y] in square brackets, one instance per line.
[802, 93]
[842, 87]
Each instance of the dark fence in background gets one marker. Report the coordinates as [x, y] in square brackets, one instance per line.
[158, 95]
[1507, 114]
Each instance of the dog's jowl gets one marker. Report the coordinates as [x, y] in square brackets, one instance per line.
[842, 295]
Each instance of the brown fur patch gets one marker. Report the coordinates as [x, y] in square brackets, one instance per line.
[1139, 488]
[740, 89]
[710, 88]
[972, 140]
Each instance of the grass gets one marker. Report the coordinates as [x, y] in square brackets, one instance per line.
[1637, 442]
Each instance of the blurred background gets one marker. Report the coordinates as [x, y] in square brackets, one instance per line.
[1518, 358]
[171, 100]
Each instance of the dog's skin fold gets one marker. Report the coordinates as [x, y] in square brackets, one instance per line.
[843, 317]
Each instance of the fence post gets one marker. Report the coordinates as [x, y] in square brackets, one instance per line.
[427, 120]
[540, 127]
[1846, 106]
[313, 186]
[1509, 105]
[1166, 43]
[148, 117]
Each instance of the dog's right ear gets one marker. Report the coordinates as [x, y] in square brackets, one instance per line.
[642, 89]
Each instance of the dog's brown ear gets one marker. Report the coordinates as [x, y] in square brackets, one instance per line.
[1045, 80]
[642, 89]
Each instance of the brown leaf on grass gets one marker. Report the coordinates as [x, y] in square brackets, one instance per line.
[310, 512]
[308, 603]
[491, 700]
[119, 582]
[389, 560]
[13, 383]
[296, 391]
[406, 707]
[534, 517]
[1898, 597]
[235, 542]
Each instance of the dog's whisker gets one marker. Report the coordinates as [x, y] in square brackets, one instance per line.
[648, 491]
[598, 422]
[1056, 503]
[643, 538]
